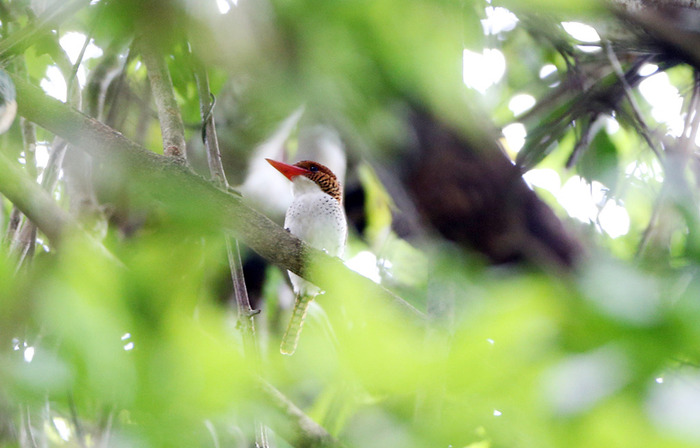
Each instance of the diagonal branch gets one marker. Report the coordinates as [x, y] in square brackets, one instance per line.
[41, 209]
[297, 428]
[33, 201]
[636, 111]
[25, 239]
[17, 42]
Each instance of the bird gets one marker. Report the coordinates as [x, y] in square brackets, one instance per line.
[317, 217]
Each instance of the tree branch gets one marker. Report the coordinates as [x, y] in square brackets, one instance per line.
[25, 240]
[206, 105]
[17, 42]
[33, 201]
[298, 429]
[216, 169]
[171, 126]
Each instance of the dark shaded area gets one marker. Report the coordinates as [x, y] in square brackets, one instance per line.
[355, 207]
[254, 269]
[477, 198]
[672, 29]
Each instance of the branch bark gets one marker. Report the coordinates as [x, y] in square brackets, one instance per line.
[33, 201]
[17, 42]
[25, 240]
[298, 428]
[216, 169]
[171, 126]
[206, 104]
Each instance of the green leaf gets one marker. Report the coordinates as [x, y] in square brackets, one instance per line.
[600, 161]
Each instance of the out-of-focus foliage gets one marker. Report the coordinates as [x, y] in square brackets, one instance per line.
[139, 346]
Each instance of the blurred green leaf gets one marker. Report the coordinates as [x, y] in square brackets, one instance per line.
[378, 206]
[37, 63]
[140, 346]
[600, 161]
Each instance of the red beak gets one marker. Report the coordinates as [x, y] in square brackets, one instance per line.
[288, 170]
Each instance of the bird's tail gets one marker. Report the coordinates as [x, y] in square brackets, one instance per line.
[291, 336]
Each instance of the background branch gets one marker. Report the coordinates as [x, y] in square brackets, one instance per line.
[216, 170]
[206, 106]
[17, 42]
[25, 239]
[33, 201]
[171, 126]
[298, 428]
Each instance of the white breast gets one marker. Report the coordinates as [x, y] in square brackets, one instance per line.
[319, 220]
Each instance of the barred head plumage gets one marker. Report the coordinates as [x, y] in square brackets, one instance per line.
[323, 177]
[314, 171]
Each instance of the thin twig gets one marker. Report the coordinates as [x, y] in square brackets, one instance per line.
[114, 94]
[581, 146]
[79, 432]
[679, 160]
[12, 224]
[24, 241]
[23, 235]
[49, 179]
[77, 166]
[636, 112]
[212, 431]
[105, 430]
[25, 238]
[28, 427]
[655, 212]
[245, 312]
[301, 430]
[74, 72]
[207, 101]
[29, 139]
[247, 321]
[23, 38]
[692, 119]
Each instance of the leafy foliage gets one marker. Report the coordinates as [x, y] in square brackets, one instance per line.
[135, 342]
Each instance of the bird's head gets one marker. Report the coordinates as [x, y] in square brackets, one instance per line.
[315, 172]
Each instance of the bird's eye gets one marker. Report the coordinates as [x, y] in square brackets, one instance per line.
[313, 168]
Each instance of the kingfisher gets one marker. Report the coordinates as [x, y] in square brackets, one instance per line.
[316, 216]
